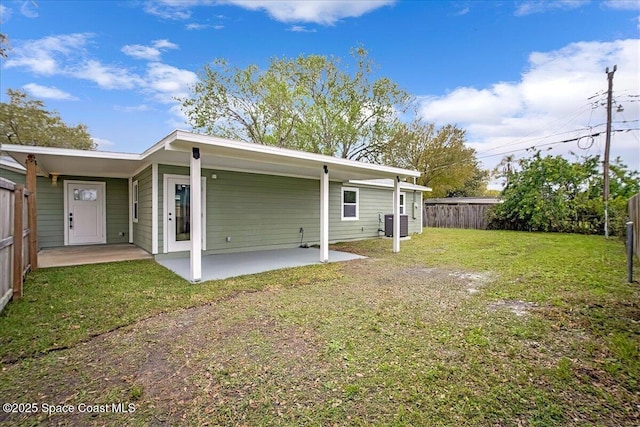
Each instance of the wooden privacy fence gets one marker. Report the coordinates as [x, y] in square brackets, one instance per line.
[456, 216]
[18, 245]
[634, 215]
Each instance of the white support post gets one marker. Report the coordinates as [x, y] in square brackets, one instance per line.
[324, 215]
[154, 208]
[130, 210]
[196, 216]
[396, 215]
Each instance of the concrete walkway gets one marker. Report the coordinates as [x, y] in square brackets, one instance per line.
[223, 266]
[89, 254]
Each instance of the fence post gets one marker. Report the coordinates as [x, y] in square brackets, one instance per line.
[18, 233]
[31, 181]
[630, 251]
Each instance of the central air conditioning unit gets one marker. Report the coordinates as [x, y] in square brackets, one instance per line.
[388, 225]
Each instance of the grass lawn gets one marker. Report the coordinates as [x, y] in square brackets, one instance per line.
[464, 327]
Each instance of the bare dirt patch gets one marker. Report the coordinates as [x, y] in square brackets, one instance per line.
[517, 307]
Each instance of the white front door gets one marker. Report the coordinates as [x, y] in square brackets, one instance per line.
[178, 217]
[85, 207]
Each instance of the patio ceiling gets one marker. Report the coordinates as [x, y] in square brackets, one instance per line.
[216, 154]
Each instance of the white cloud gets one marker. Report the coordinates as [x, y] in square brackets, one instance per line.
[44, 56]
[5, 14]
[66, 55]
[549, 104]
[106, 76]
[301, 29]
[149, 53]
[141, 52]
[541, 6]
[48, 92]
[623, 4]
[315, 11]
[463, 12]
[167, 82]
[195, 26]
[28, 9]
[164, 44]
[168, 9]
[132, 109]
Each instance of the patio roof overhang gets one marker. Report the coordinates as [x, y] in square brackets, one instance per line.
[216, 153]
[199, 152]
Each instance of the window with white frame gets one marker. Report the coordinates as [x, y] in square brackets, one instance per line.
[350, 199]
[403, 198]
[134, 190]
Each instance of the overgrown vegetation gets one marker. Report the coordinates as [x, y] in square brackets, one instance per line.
[551, 193]
[464, 327]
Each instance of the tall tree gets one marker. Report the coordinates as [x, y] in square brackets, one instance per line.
[311, 103]
[25, 121]
[446, 164]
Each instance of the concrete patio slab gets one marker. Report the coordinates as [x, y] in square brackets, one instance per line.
[89, 254]
[223, 266]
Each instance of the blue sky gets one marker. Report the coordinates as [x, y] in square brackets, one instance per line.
[515, 74]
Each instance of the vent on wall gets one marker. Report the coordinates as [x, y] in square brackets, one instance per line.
[388, 225]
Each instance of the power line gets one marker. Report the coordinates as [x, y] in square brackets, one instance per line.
[564, 141]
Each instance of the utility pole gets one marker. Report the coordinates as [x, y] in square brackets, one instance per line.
[607, 146]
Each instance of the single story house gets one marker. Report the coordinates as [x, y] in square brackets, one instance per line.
[192, 194]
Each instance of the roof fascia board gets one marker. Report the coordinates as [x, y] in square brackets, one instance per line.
[70, 152]
[206, 140]
[403, 185]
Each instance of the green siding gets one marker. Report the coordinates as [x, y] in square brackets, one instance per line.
[260, 211]
[142, 229]
[117, 210]
[16, 177]
[263, 211]
[50, 206]
[374, 204]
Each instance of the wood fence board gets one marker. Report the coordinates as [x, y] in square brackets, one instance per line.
[456, 216]
[16, 239]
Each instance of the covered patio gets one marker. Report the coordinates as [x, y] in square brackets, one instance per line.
[91, 254]
[223, 266]
[201, 154]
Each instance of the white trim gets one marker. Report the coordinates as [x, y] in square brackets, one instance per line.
[387, 183]
[103, 189]
[355, 190]
[324, 216]
[183, 141]
[154, 208]
[135, 196]
[421, 210]
[205, 140]
[70, 152]
[9, 163]
[396, 216]
[131, 209]
[165, 222]
[403, 203]
[195, 181]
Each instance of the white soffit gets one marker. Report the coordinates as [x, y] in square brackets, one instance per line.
[216, 153]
